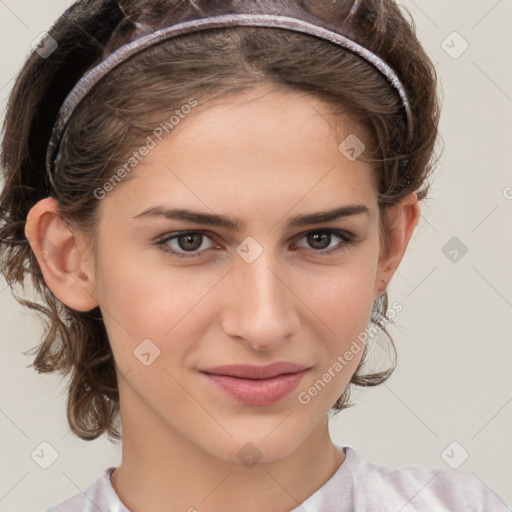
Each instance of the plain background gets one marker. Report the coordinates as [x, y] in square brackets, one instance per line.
[451, 395]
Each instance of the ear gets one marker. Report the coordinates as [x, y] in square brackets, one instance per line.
[402, 219]
[61, 256]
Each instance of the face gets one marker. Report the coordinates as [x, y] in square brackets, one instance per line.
[182, 296]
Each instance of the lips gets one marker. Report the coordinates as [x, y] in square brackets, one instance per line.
[256, 385]
[247, 371]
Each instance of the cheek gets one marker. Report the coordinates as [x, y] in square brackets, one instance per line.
[342, 301]
[157, 302]
[342, 296]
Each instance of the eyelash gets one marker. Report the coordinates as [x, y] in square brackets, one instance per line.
[347, 238]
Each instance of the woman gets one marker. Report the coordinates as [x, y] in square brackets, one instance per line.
[214, 208]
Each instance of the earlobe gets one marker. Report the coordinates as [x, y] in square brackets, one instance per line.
[402, 220]
[60, 257]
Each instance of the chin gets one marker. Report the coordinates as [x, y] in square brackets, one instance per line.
[265, 445]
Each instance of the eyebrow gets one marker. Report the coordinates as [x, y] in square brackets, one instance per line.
[235, 224]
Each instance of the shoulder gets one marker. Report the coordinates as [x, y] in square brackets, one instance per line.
[415, 488]
[99, 497]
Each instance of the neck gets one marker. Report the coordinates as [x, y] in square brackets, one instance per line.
[162, 471]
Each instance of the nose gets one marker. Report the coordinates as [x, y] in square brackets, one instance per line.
[261, 307]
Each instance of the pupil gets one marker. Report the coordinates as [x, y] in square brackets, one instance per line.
[315, 238]
[188, 239]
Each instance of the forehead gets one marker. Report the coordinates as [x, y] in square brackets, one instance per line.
[267, 148]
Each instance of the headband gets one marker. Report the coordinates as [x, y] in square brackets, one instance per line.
[256, 13]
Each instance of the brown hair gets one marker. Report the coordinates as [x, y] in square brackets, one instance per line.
[123, 109]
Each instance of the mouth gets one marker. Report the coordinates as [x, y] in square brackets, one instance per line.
[256, 385]
[248, 371]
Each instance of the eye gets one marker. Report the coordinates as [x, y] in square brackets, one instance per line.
[186, 241]
[322, 239]
[192, 242]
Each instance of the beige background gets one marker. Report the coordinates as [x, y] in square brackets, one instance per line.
[454, 335]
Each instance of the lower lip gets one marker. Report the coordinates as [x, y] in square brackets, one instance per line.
[257, 392]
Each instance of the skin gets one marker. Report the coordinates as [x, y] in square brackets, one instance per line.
[264, 157]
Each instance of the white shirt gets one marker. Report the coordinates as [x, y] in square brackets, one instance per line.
[357, 486]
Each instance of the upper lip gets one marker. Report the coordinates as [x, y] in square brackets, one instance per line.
[248, 371]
